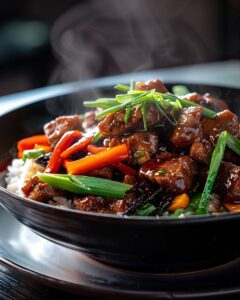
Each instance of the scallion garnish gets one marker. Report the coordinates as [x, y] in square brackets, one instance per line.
[127, 114]
[180, 90]
[86, 185]
[146, 210]
[139, 154]
[33, 153]
[160, 172]
[97, 137]
[122, 87]
[167, 103]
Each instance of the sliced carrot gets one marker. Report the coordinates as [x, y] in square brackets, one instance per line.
[232, 207]
[79, 145]
[29, 142]
[95, 161]
[65, 142]
[46, 149]
[94, 149]
[180, 201]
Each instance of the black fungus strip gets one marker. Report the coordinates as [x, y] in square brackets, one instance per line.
[144, 199]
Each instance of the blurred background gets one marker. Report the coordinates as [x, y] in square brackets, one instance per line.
[45, 42]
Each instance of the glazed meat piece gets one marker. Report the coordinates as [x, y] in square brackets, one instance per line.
[201, 151]
[188, 127]
[225, 120]
[229, 182]
[54, 130]
[174, 175]
[38, 190]
[150, 85]
[91, 203]
[207, 100]
[105, 172]
[114, 124]
[139, 141]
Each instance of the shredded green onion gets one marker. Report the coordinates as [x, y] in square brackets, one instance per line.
[122, 87]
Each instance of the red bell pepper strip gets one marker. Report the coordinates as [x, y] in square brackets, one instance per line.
[65, 142]
[125, 169]
[95, 161]
[29, 142]
[94, 149]
[79, 145]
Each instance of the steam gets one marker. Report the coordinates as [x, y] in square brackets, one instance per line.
[110, 37]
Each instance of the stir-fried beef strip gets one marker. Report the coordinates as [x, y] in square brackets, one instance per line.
[54, 130]
[174, 175]
[40, 191]
[225, 120]
[188, 127]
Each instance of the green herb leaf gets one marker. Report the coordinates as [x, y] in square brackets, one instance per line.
[180, 90]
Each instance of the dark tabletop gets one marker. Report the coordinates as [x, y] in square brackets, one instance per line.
[13, 286]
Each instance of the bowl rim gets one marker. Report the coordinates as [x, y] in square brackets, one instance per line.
[35, 205]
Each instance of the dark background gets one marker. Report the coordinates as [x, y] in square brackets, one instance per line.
[44, 42]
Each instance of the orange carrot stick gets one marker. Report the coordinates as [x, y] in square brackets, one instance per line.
[94, 149]
[98, 160]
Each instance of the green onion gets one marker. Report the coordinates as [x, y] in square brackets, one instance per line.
[178, 212]
[33, 153]
[144, 115]
[233, 143]
[132, 85]
[122, 87]
[127, 114]
[215, 163]
[103, 103]
[180, 90]
[208, 113]
[145, 210]
[86, 185]
[160, 172]
[97, 137]
[139, 154]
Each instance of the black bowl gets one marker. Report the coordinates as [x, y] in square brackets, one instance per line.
[136, 243]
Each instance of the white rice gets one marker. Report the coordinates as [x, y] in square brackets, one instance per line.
[17, 174]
